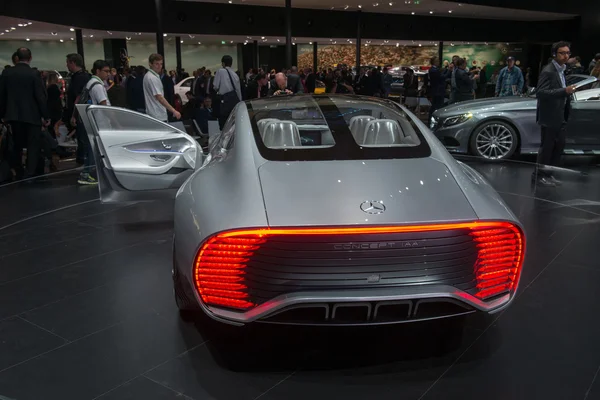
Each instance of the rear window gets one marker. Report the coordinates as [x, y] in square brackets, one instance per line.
[306, 127]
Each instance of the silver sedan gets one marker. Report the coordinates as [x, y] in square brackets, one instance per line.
[497, 128]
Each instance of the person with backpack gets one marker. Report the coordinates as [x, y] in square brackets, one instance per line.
[93, 93]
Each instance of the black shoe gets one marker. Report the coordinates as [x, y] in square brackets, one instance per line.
[555, 181]
[544, 181]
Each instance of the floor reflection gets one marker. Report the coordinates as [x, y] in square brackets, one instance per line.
[87, 311]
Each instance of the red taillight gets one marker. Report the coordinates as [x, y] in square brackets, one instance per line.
[501, 247]
[220, 265]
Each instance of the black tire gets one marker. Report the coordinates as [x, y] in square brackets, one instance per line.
[503, 138]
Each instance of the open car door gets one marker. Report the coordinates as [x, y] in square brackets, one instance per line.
[138, 158]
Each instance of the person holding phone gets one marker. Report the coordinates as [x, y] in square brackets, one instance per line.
[554, 97]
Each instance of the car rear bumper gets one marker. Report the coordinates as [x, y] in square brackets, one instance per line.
[362, 306]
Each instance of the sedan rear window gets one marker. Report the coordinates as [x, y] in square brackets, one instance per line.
[307, 127]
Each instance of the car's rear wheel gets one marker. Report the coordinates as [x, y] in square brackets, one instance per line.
[494, 141]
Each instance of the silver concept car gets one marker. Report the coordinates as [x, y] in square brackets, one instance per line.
[316, 209]
[497, 128]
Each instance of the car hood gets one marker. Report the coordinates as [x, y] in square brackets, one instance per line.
[495, 103]
[330, 193]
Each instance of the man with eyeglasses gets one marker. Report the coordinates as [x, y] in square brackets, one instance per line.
[554, 97]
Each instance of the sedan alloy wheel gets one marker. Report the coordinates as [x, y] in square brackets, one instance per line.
[494, 141]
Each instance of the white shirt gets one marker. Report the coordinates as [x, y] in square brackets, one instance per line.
[222, 83]
[98, 93]
[153, 86]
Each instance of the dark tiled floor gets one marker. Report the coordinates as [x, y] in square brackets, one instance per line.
[87, 312]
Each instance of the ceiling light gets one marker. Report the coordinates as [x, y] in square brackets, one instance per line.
[346, 7]
[262, 37]
[420, 45]
[1, 33]
[334, 42]
[309, 42]
[91, 36]
[164, 35]
[366, 44]
[245, 43]
[109, 32]
[459, 4]
[181, 41]
[450, 11]
[436, 44]
[12, 28]
[6, 30]
[278, 40]
[53, 33]
[30, 23]
[375, 4]
[332, 8]
[230, 2]
[293, 44]
[191, 36]
[430, 12]
[127, 38]
[351, 42]
[72, 29]
[72, 39]
[199, 42]
[139, 33]
[231, 41]
[397, 44]
[359, 6]
[391, 4]
[28, 39]
[21, 25]
[61, 40]
[413, 13]
[452, 44]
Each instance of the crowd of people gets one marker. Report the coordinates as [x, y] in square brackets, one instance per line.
[37, 115]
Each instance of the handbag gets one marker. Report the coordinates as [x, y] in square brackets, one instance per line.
[230, 99]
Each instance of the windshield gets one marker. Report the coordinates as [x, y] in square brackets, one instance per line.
[297, 128]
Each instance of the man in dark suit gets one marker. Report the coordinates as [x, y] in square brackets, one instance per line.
[554, 98]
[257, 87]
[294, 82]
[280, 85]
[23, 105]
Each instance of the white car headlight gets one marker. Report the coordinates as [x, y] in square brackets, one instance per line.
[432, 123]
[457, 119]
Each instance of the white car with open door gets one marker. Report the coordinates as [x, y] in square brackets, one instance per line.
[183, 87]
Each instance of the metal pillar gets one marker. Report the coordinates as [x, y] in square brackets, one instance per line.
[178, 53]
[358, 39]
[315, 57]
[288, 33]
[255, 56]
[160, 41]
[79, 40]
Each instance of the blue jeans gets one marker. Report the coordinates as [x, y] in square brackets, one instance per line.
[83, 140]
